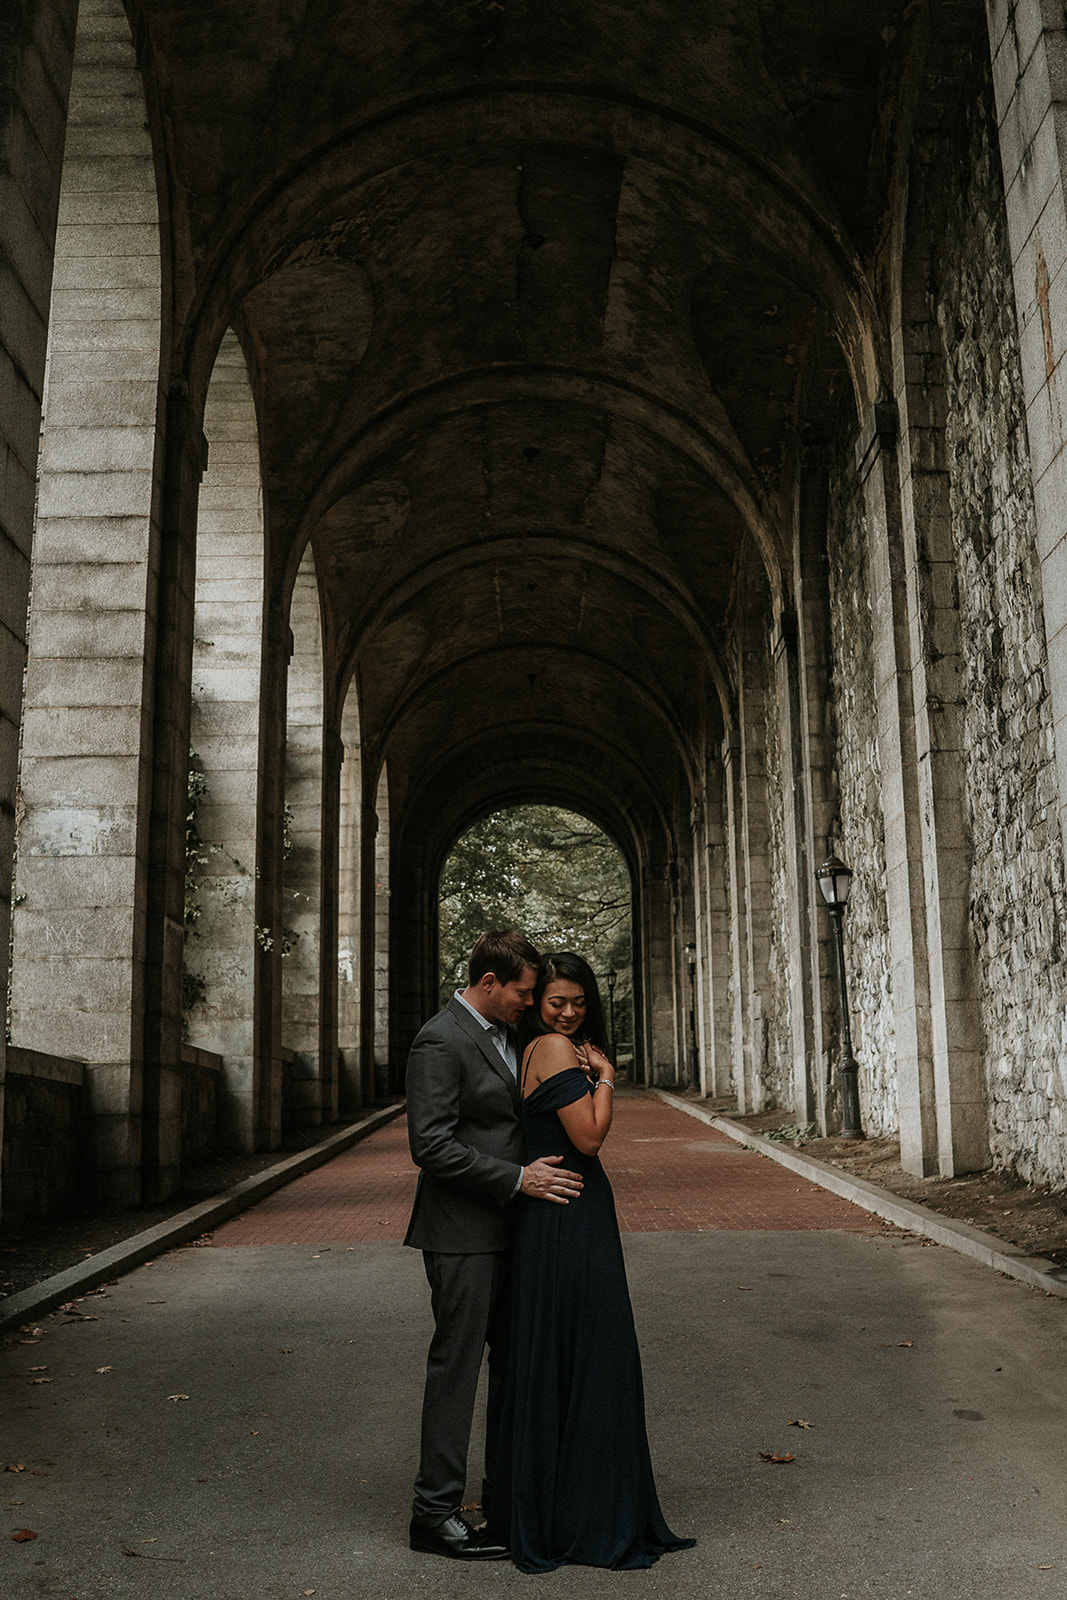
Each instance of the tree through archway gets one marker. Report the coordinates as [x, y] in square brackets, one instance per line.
[555, 875]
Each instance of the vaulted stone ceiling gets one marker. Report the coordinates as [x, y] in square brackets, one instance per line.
[537, 298]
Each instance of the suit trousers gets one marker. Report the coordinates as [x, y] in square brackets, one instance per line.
[471, 1300]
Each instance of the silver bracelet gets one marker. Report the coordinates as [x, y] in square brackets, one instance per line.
[605, 1083]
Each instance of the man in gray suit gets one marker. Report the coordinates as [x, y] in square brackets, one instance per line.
[465, 1132]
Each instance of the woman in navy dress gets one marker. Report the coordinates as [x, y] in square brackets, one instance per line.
[573, 1479]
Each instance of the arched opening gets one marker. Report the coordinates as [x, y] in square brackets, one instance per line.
[560, 879]
[220, 937]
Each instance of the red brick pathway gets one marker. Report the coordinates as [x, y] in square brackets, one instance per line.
[670, 1172]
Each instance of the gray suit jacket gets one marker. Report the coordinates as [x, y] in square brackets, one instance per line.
[465, 1133]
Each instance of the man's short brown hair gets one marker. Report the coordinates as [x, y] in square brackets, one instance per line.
[506, 953]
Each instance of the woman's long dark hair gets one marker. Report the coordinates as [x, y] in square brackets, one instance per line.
[572, 969]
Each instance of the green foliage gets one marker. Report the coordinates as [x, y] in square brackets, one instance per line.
[550, 873]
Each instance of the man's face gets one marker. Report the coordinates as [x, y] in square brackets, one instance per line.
[506, 1002]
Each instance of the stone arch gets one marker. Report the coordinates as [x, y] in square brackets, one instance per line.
[86, 734]
[568, 768]
[228, 624]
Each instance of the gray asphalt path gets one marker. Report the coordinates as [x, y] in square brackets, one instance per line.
[934, 1464]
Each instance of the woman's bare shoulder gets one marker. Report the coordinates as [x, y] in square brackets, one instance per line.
[552, 1053]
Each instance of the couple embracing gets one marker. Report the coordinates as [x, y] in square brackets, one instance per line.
[507, 1145]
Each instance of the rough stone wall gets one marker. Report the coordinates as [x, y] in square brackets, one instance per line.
[1018, 907]
[860, 833]
[201, 1077]
[44, 1137]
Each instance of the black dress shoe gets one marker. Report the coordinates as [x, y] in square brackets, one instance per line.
[456, 1538]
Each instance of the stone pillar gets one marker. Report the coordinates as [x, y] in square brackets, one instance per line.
[349, 941]
[721, 1066]
[701, 998]
[270, 850]
[756, 848]
[737, 892]
[367, 935]
[172, 611]
[879, 471]
[35, 67]
[936, 666]
[1029, 41]
[386, 1077]
[333, 761]
[78, 979]
[816, 777]
[797, 889]
[661, 974]
[298, 934]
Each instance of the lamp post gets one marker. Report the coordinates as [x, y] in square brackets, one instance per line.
[691, 962]
[835, 881]
[613, 978]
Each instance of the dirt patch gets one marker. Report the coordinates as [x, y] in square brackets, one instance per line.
[1034, 1219]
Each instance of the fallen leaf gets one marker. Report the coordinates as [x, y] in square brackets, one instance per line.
[103, 1369]
[798, 1422]
[309, 1591]
[38, 1369]
[177, 1397]
[286, 1352]
[779, 1460]
[255, 1433]
[23, 1535]
[37, 1473]
[40, 1380]
[906, 1344]
[744, 1286]
[15, 1466]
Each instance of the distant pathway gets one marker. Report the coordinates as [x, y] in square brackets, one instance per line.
[670, 1175]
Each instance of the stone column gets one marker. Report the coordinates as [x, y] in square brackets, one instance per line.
[298, 934]
[937, 675]
[816, 777]
[270, 809]
[879, 471]
[701, 998]
[79, 971]
[797, 891]
[737, 892]
[721, 1065]
[349, 941]
[367, 935]
[333, 761]
[756, 848]
[35, 67]
[386, 1076]
[172, 613]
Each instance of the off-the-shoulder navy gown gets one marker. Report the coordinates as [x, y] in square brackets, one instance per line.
[573, 1476]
